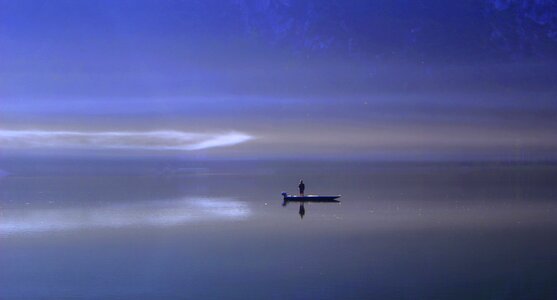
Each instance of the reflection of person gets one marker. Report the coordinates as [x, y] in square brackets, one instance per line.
[302, 210]
[302, 187]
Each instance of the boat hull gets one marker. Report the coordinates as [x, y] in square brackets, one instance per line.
[312, 198]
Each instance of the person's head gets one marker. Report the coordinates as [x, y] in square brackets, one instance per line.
[301, 181]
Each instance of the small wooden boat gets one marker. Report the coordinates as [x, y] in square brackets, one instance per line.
[310, 198]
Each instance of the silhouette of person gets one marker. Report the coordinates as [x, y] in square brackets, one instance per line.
[302, 210]
[302, 187]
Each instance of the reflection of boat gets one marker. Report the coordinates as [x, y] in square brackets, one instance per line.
[310, 198]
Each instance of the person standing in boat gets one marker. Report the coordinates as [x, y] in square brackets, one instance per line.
[302, 187]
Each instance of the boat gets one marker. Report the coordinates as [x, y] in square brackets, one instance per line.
[310, 198]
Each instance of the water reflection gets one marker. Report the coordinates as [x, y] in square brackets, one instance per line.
[412, 232]
[302, 210]
[140, 214]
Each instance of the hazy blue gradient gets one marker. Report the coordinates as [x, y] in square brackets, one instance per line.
[144, 146]
[339, 79]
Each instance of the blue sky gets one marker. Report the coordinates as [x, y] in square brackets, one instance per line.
[338, 79]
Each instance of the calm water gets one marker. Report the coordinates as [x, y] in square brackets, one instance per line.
[170, 229]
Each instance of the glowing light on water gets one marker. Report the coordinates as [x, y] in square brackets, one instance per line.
[143, 214]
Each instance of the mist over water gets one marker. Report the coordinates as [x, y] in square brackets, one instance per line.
[174, 229]
[144, 146]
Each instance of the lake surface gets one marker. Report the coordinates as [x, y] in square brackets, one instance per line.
[178, 229]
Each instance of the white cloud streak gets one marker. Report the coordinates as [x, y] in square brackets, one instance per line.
[148, 140]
